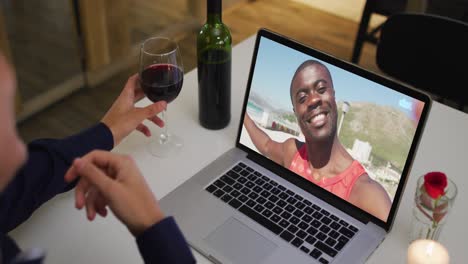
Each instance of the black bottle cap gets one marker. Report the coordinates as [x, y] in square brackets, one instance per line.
[214, 6]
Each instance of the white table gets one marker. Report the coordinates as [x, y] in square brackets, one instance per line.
[69, 238]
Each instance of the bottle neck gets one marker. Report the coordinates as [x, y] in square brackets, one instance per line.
[214, 8]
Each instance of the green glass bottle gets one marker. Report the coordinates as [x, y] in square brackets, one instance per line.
[214, 45]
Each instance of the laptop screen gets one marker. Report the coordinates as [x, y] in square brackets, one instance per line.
[338, 130]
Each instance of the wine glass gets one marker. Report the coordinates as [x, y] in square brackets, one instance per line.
[161, 77]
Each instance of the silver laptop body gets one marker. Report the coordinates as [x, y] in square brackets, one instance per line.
[228, 231]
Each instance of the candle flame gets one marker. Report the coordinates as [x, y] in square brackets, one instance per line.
[429, 249]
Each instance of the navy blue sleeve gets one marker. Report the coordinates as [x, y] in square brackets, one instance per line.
[42, 176]
[164, 243]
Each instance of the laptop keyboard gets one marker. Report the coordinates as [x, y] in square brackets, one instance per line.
[305, 225]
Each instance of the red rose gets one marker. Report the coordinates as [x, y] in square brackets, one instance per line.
[435, 183]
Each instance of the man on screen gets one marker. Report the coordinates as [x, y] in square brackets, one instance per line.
[321, 159]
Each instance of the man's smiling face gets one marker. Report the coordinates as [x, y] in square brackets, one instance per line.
[313, 98]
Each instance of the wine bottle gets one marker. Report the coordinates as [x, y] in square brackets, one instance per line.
[214, 69]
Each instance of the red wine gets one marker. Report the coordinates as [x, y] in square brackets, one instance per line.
[162, 82]
[214, 93]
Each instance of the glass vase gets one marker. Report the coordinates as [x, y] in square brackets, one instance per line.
[429, 214]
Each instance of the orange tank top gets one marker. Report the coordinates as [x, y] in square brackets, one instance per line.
[340, 185]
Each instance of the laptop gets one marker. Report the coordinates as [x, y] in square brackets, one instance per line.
[323, 152]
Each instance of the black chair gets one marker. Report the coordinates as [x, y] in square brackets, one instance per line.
[381, 7]
[429, 52]
[456, 9]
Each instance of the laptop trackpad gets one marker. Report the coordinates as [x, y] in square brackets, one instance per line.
[239, 243]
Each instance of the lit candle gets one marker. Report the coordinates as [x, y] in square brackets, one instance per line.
[425, 251]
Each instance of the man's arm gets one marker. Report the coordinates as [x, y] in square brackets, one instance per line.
[268, 147]
[164, 243]
[113, 181]
[41, 177]
[370, 196]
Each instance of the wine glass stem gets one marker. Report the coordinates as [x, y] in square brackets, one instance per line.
[164, 136]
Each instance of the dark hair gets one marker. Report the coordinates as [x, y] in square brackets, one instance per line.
[301, 67]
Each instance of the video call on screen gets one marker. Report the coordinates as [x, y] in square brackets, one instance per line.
[376, 124]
